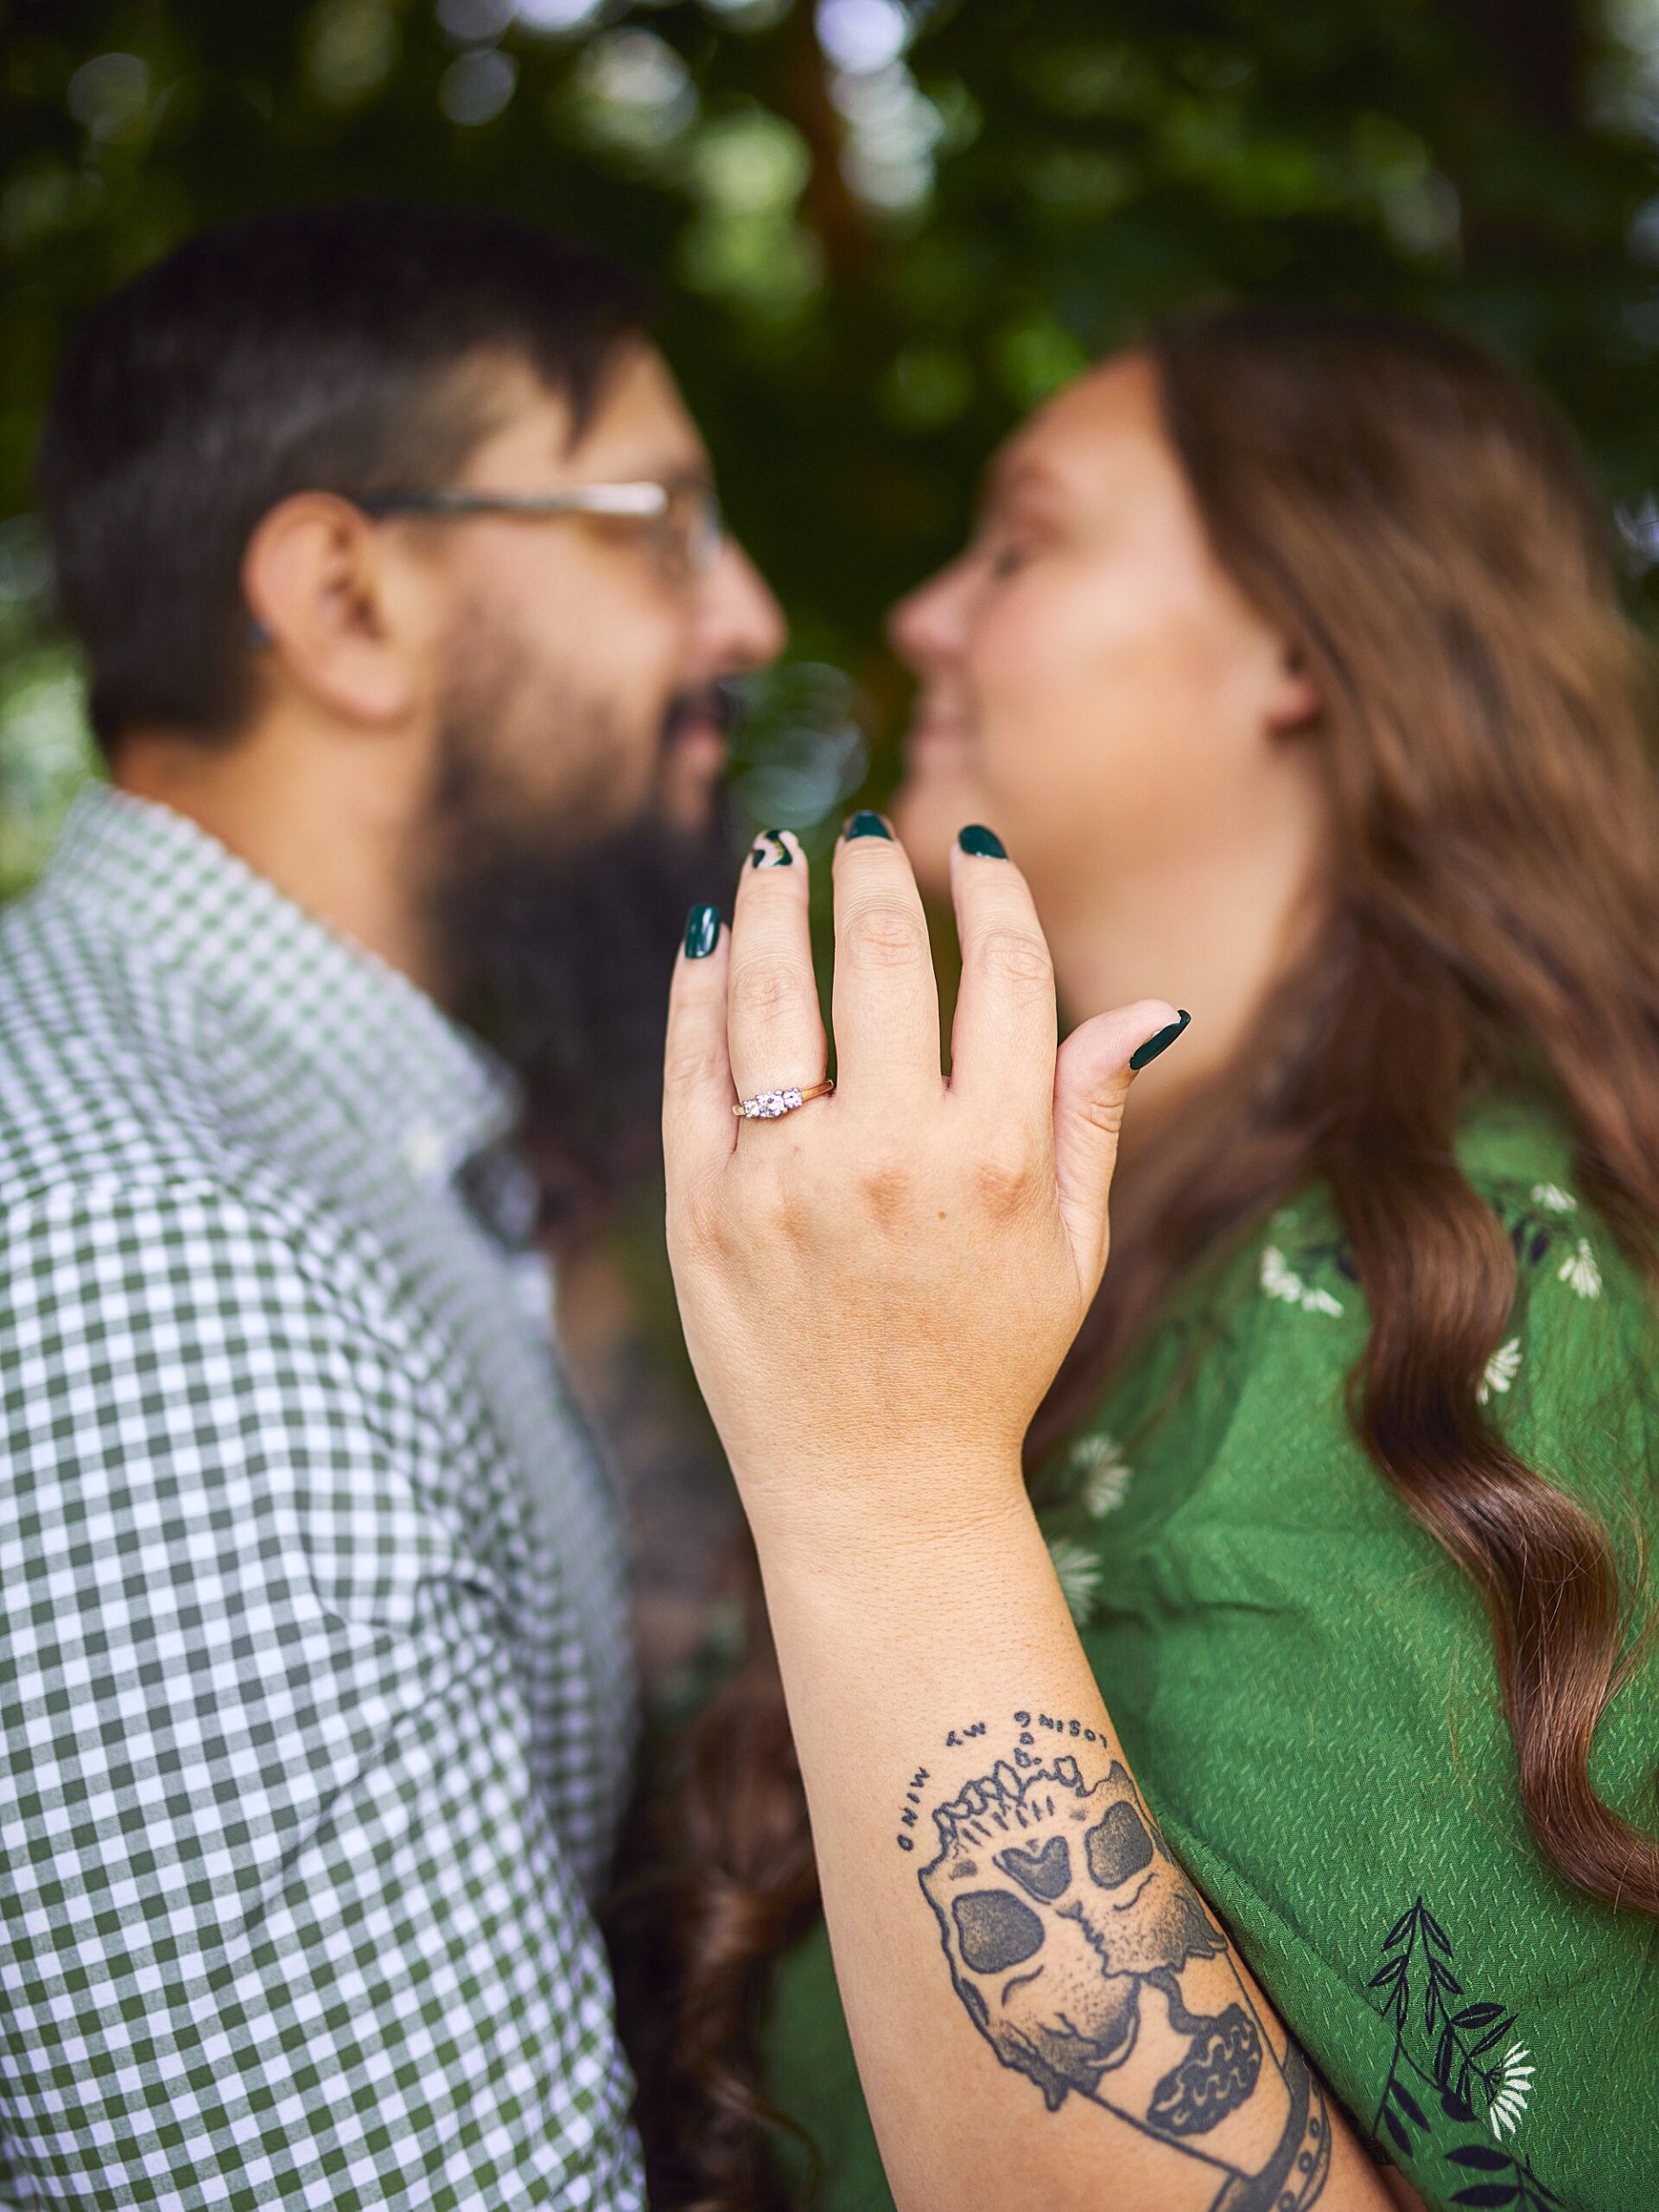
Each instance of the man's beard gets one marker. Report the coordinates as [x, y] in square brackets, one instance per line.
[558, 949]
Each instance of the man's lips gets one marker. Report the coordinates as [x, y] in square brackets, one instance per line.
[711, 707]
[696, 732]
[699, 746]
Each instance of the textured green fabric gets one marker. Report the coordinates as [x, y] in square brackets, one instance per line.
[1307, 1688]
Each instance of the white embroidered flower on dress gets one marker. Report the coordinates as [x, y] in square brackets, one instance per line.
[1501, 1369]
[1077, 1572]
[1513, 2088]
[1579, 1269]
[1106, 1474]
[1280, 1280]
[1554, 1199]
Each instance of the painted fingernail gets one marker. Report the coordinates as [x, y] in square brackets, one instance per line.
[702, 931]
[864, 823]
[984, 842]
[771, 851]
[1160, 1042]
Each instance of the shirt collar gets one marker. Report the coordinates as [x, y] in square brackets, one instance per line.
[396, 1063]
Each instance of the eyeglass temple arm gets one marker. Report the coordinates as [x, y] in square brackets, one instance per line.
[627, 500]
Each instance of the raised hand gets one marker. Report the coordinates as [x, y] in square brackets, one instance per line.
[888, 1278]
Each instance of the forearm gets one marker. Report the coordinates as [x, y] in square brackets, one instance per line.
[1042, 2007]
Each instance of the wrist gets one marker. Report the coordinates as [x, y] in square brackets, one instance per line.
[831, 1518]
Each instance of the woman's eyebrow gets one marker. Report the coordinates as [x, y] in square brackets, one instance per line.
[1014, 474]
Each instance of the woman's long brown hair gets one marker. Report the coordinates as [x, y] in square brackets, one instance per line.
[1418, 523]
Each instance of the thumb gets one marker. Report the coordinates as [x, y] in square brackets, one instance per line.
[1097, 1062]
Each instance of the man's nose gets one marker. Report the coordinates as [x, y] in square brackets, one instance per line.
[740, 624]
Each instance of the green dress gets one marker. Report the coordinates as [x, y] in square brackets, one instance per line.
[1306, 1687]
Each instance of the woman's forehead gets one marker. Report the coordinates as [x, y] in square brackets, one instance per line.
[1087, 428]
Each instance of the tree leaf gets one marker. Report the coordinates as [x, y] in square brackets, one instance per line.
[1457, 2107]
[1488, 2192]
[1437, 1934]
[1476, 2016]
[1482, 2155]
[1397, 2129]
[1443, 2057]
[1494, 2034]
[1392, 1972]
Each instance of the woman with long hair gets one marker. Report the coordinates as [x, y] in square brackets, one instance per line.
[1254, 1807]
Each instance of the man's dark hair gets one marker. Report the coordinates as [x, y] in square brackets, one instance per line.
[318, 348]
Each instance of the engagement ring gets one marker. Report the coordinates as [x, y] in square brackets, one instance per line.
[768, 1105]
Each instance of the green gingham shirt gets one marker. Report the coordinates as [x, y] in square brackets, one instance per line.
[316, 1696]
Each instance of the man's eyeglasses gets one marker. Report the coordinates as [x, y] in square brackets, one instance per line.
[688, 530]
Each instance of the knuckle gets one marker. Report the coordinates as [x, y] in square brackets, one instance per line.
[689, 1066]
[886, 1186]
[695, 1219]
[1005, 1180]
[886, 936]
[1105, 1115]
[766, 985]
[1018, 956]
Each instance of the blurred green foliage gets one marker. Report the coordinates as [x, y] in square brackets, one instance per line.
[887, 229]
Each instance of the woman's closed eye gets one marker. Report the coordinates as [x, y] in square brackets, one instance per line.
[1007, 552]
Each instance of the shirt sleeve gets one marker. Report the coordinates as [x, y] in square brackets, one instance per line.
[1307, 1688]
[286, 1919]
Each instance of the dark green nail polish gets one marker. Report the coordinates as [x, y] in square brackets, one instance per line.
[1160, 1042]
[771, 851]
[702, 931]
[984, 842]
[866, 824]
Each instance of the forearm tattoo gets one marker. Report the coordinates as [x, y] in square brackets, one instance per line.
[1090, 1964]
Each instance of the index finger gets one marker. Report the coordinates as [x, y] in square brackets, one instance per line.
[698, 1129]
[1006, 1033]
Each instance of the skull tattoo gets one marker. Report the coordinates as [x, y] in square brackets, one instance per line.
[1072, 1937]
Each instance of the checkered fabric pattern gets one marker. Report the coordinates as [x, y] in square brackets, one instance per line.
[313, 1667]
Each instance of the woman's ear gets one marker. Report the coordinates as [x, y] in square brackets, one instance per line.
[1294, 705]
[318, 595]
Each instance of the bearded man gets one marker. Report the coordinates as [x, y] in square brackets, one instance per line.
[403, 596]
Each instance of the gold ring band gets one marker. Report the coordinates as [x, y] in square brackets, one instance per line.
[771, 1105]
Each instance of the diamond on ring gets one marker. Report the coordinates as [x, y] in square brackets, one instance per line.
[768, 1105]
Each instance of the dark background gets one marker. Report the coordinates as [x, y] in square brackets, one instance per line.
[888, 229]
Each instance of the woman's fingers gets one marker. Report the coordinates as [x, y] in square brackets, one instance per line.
[886, 1002]
[1003, 1041]
[774, 1025]
[698, 1129]
[1091, 1084]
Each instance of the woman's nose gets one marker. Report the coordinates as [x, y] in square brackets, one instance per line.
[925, 628]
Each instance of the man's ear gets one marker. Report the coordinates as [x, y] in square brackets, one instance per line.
[1295, 704]
[324, 602]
